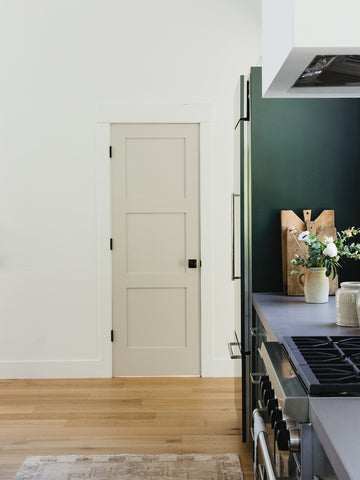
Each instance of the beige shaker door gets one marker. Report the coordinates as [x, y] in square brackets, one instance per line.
[155, 231]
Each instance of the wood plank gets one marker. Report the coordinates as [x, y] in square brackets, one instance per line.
[323, 225]
[121, 415]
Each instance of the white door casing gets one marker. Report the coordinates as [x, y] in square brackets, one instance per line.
[108, 114]
[155, 229]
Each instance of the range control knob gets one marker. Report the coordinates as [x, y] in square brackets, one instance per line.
[265, 386]
[272, 404]
[263, 378]
[275, 416]
[279, 425]
[283, 440]
[268, 394]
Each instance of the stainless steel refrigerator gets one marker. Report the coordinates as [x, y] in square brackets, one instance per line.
[239, 347]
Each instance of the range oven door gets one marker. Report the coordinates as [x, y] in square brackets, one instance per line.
[288, 446]
[270, 464]
[264, 466]
[283, 407]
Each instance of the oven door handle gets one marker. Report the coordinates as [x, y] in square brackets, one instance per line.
[255, 377]
[261, 444]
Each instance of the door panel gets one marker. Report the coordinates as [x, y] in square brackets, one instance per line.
[164, 248]
[155, 230]
[167, 162]
[151, 310]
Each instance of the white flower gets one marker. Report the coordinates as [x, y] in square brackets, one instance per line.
[303, 236]
[328, 240]
[331, 250]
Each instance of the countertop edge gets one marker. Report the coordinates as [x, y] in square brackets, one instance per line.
[269, 331]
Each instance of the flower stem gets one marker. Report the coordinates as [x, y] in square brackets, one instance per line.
[302, 251]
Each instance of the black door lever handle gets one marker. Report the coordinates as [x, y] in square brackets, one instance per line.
[192, 263]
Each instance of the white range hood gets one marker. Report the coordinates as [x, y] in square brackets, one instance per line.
[315, 40]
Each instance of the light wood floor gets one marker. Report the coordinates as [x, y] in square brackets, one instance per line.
[113, 416]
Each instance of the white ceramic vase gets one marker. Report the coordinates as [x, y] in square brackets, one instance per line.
[347, 303]
[316, 286]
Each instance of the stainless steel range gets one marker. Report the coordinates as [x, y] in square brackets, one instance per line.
[286, 447]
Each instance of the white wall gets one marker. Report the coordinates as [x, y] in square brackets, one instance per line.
[59, 60]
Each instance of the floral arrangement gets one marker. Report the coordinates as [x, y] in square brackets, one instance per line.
[325, 253]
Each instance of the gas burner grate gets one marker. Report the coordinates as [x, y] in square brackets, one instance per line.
[310, 342]
[321, 356]
[345, 342]
[351, 352]
[326, 365]
[336, 373]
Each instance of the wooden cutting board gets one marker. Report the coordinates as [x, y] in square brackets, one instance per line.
[323, 225]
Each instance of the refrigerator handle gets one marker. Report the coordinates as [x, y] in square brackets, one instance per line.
[233, 355]
[246, 118]
[233, 275]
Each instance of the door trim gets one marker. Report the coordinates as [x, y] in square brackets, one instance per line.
[154, 113]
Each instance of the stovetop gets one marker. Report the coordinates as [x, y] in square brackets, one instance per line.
[326, 365]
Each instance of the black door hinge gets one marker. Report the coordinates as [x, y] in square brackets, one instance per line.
[111, 243]
[110, 151]
[112, 335]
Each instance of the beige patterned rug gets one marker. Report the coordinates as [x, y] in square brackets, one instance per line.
[132, 467]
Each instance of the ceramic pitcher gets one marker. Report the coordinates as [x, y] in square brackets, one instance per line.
[316, 285]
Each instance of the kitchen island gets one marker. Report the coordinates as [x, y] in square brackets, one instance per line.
[336, 420]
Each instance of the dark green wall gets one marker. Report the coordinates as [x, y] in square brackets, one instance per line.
[305, 155]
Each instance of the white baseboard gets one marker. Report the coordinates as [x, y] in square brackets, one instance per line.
[220, 368]
[88, 369]
[53, 369]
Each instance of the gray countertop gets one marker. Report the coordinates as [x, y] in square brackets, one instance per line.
[337, 424]
[283, 316]
[335, 420]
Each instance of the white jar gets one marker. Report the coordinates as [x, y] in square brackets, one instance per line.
[316, 287]
[346, 304]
